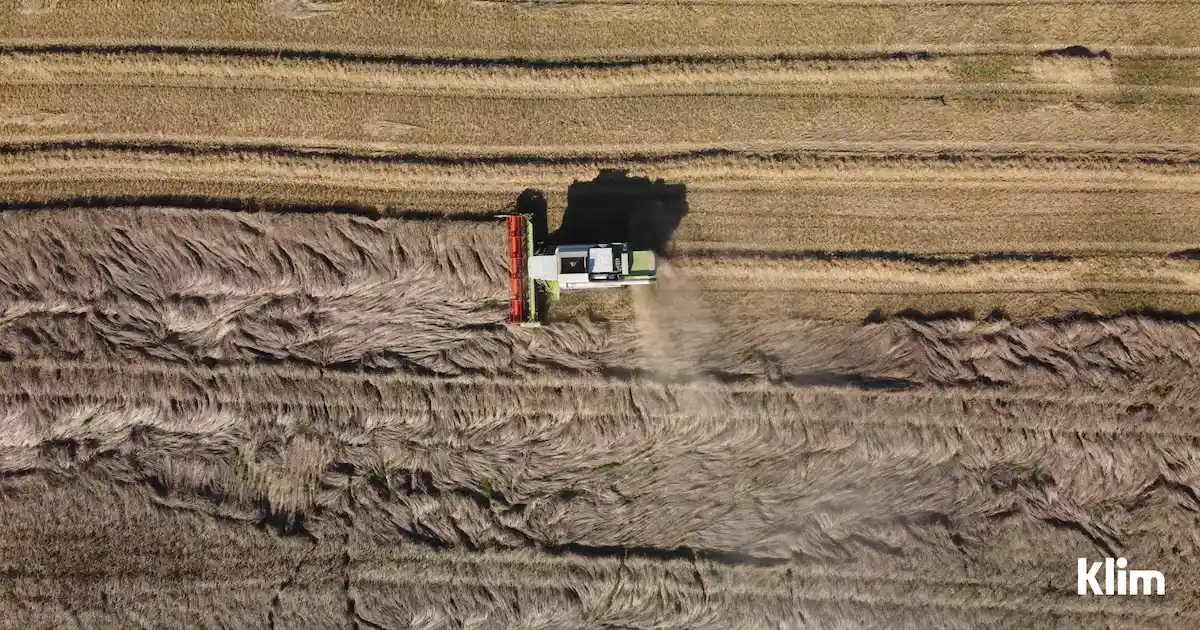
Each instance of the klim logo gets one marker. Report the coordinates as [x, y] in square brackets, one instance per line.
[1118, 581]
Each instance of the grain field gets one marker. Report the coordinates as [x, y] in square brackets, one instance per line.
[925, 332]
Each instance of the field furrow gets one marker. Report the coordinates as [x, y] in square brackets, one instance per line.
[710, 167]
[387, 294]
[994, 411]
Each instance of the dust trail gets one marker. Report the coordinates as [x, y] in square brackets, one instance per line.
[674, 327]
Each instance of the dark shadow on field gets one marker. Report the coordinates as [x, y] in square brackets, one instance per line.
[615, 207]
[1186, 254]
[532, 202]
[998, 315]
[878, 316]
[1079, 52]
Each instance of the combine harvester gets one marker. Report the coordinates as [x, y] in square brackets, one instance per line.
[539, 271]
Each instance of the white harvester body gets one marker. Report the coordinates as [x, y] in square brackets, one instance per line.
[538, 272]
[574, 267]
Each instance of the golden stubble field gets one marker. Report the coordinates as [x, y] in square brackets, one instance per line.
[926, 333]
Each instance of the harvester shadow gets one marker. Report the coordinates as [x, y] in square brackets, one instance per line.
[616, 208]
[1079, 52]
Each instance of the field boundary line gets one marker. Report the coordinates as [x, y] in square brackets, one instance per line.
[918, 153]
[118, 173]
[690, 162]
[581, 59]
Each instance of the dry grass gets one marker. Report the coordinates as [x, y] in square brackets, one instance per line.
[956, 75]
[764, 288]
[36, 7]
[779, 77]
[911, 116]
[491, 29]
[314, 416]
[934, 218]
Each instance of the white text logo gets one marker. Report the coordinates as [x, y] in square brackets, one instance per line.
[1118, 581]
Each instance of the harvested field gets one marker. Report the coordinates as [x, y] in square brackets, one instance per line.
[926, 330]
